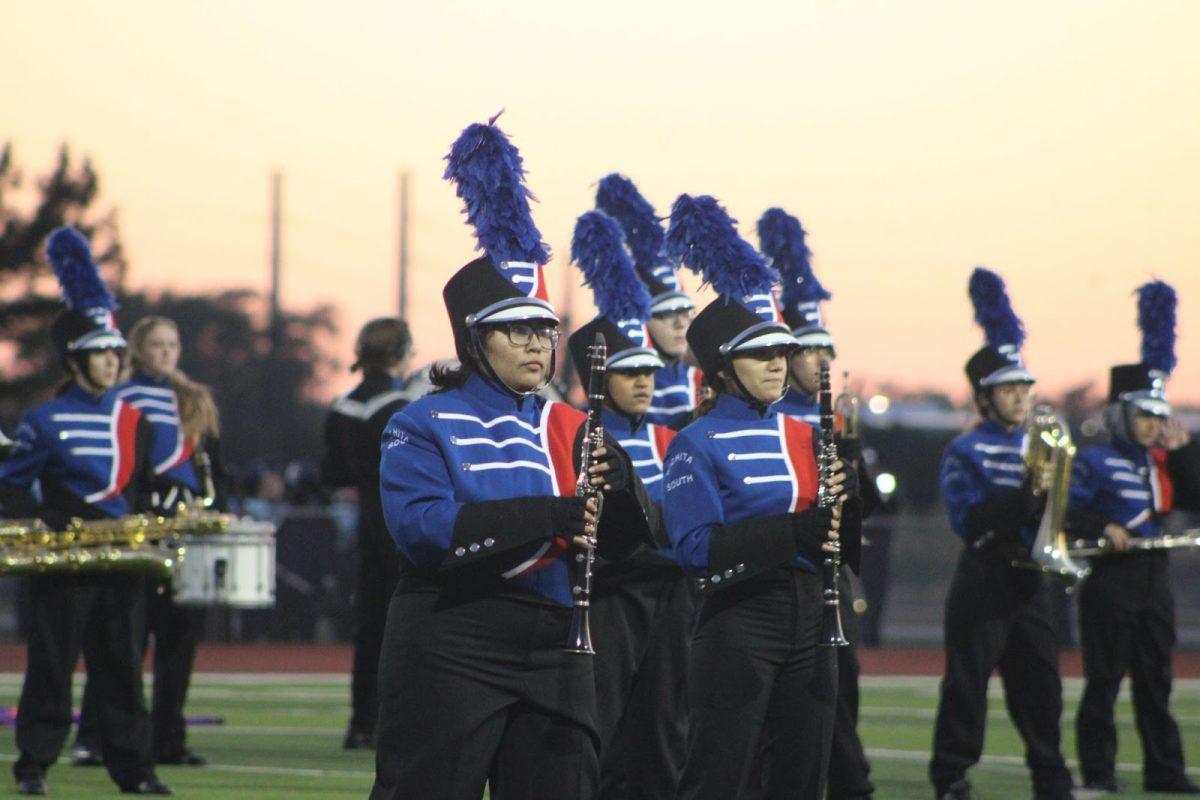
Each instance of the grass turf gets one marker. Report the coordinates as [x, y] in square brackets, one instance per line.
[282, 738]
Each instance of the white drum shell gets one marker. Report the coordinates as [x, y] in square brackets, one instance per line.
[234, 569]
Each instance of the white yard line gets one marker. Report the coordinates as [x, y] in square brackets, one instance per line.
[999, 763]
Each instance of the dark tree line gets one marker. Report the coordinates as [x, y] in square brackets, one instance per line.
[265, 386]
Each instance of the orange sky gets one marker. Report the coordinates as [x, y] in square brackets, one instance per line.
[1058, 143]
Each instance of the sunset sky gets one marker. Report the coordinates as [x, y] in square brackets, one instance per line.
[1055, 142]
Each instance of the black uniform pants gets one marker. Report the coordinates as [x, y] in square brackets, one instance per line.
[998, 617]
[1127, 624]
[175, 630]
[103, 617]
[759, 684]
[478, 689]
[378, 571]
[849, 772]
[641, 627]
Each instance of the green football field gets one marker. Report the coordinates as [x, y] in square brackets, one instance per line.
[282, 735]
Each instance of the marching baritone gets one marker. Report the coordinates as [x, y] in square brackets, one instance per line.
[997, 615]
[353, 431]
[90, 452]
[739, 501]
[679, 384]
[1123, 490]
[782, 241]
[478, 483]
[641, 607]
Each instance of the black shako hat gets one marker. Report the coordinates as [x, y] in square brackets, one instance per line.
[506, 284]
[598, 248]
[1145, 384]
[744, 316]
[781, 239]
[628, 345]
[619, 198]
[87, 322]
[483, 293]
[999, 360]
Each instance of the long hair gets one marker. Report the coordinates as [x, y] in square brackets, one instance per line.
[197, 411]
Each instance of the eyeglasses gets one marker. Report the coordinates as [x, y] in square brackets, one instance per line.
[520, 334]
[684, 315]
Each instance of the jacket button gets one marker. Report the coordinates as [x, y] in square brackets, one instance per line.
[715, 578]
[460, 551]
[728, 573]
[474, 547]
[741, 567]
[488, 542]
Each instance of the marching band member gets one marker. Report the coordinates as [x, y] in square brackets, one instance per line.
[642, 607]
[996, 615]
[740, 485]
[184, 449]
[781, 240]
[1122, 490]
[678, 386]
[90, 452]
[478, 483]
[353, 431]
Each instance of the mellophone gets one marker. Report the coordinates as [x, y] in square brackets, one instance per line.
[212, 559]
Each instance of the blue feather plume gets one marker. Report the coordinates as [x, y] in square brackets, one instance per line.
[993, 310]
[598, 247]
[705, 239]
[489, 177]
[70, 257]
[620, 199]
[1156, 319]
[781, 239]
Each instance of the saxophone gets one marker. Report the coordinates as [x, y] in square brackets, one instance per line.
[1049, 453]
[142, 543]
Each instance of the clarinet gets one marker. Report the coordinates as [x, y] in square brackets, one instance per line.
[579, 637]
[831, 618]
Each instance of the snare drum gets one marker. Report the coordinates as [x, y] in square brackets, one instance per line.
[235, 568]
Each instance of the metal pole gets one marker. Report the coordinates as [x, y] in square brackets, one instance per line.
[276, 254]
[403, 245]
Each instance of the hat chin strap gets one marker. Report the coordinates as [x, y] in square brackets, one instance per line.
[1118, 419]
[750, 398]
[489, 373]
[84, 373]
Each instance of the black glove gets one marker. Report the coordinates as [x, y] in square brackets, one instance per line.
[850, 487]
[1033, 505]
[567, 516]
[811, 531]
[997, 518]
[620, 471]
[849, 450]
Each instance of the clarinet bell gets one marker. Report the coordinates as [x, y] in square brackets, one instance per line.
[832, 634]
[579, 636]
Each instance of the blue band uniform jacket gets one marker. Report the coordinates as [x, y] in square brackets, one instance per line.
[678, 389]
[734, 480]
[982, 474]
[90, 455]
[465, 476]
[1132, 486]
